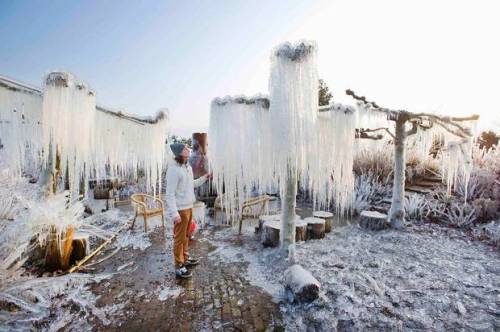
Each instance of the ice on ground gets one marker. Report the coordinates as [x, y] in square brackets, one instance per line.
[380, 280]
[166, 293]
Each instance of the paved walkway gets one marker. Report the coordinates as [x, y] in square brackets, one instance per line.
[145, 296]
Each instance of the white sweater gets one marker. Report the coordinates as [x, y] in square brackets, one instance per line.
[180, 188]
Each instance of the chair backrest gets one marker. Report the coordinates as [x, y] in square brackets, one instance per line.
[138, 198]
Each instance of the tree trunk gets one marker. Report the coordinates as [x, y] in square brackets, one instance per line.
[288, 203]
[397, 212]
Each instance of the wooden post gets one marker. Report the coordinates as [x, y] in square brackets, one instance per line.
[397, 212]
[288, 203]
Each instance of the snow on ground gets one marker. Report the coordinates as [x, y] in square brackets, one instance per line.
[380, 280]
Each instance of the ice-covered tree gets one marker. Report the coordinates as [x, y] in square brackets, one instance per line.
[324, 94]
[283, 140]
[457, 154]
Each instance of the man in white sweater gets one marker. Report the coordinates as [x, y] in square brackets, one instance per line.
[180, 199]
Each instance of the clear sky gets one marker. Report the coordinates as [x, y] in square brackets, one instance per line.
[426, 55]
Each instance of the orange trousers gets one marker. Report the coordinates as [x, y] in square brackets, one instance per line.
[181, 239]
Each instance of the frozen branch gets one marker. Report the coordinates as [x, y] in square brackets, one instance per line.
[443, 121]
[413, 130]
[364, 131]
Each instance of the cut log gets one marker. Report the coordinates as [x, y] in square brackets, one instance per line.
[271, 233]
[327, 216]
[373, 220]
[264, 218]
[300, 230]
[300, 285]
[315, 228]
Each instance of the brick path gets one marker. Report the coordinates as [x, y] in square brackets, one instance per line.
[218, 297]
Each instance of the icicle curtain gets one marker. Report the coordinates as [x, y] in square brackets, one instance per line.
[20, 127]
[91, 141]
[256, 142]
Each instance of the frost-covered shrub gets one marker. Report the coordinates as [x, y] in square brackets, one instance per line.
[458, 215]
[8, 202]
[416, 207]
[369, 190]
[375, 162]
[486, 209]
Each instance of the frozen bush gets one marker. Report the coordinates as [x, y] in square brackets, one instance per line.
[369, 190]
[458, 215]
[486, 209]
[416, 207]
[374, 162]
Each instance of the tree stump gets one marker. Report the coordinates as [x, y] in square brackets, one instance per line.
[264, 218]
[80, 248]
[315, 228]
[373, 220]
[327, 216]
[58, 250]
[300, 230]
[300, 285]
[271, 233]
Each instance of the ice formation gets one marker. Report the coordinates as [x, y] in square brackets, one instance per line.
[123, 146]
[20, 126]
[334, 179]
[457, 163]
[258, 143]
[239, 148]
[68, 120]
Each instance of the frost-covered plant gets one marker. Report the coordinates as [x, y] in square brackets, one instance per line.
[416, 207]
[486, 209]
[8, 202]
[53, 215]
[369, 190]
[459, 215]
[379, 162]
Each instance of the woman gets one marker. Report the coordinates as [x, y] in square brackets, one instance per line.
[180, 199]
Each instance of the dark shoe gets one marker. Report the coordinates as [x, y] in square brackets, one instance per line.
[182, 272]
[191, 262]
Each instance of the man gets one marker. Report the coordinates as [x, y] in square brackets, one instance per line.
[180, 198]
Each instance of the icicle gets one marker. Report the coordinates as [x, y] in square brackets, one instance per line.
[335, 179]
[20, 128]
[253, 148]
[239, 146]
[68, 117]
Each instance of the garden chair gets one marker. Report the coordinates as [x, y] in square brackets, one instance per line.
[247, 208]
[147, 206]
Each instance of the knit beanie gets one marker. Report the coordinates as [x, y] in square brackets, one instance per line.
[177, 148]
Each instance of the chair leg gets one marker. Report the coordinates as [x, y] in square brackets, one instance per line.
[163, 220]
[133, 222]
[145, 223]
[241, 223]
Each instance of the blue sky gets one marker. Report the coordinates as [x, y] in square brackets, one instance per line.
[145, 55]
